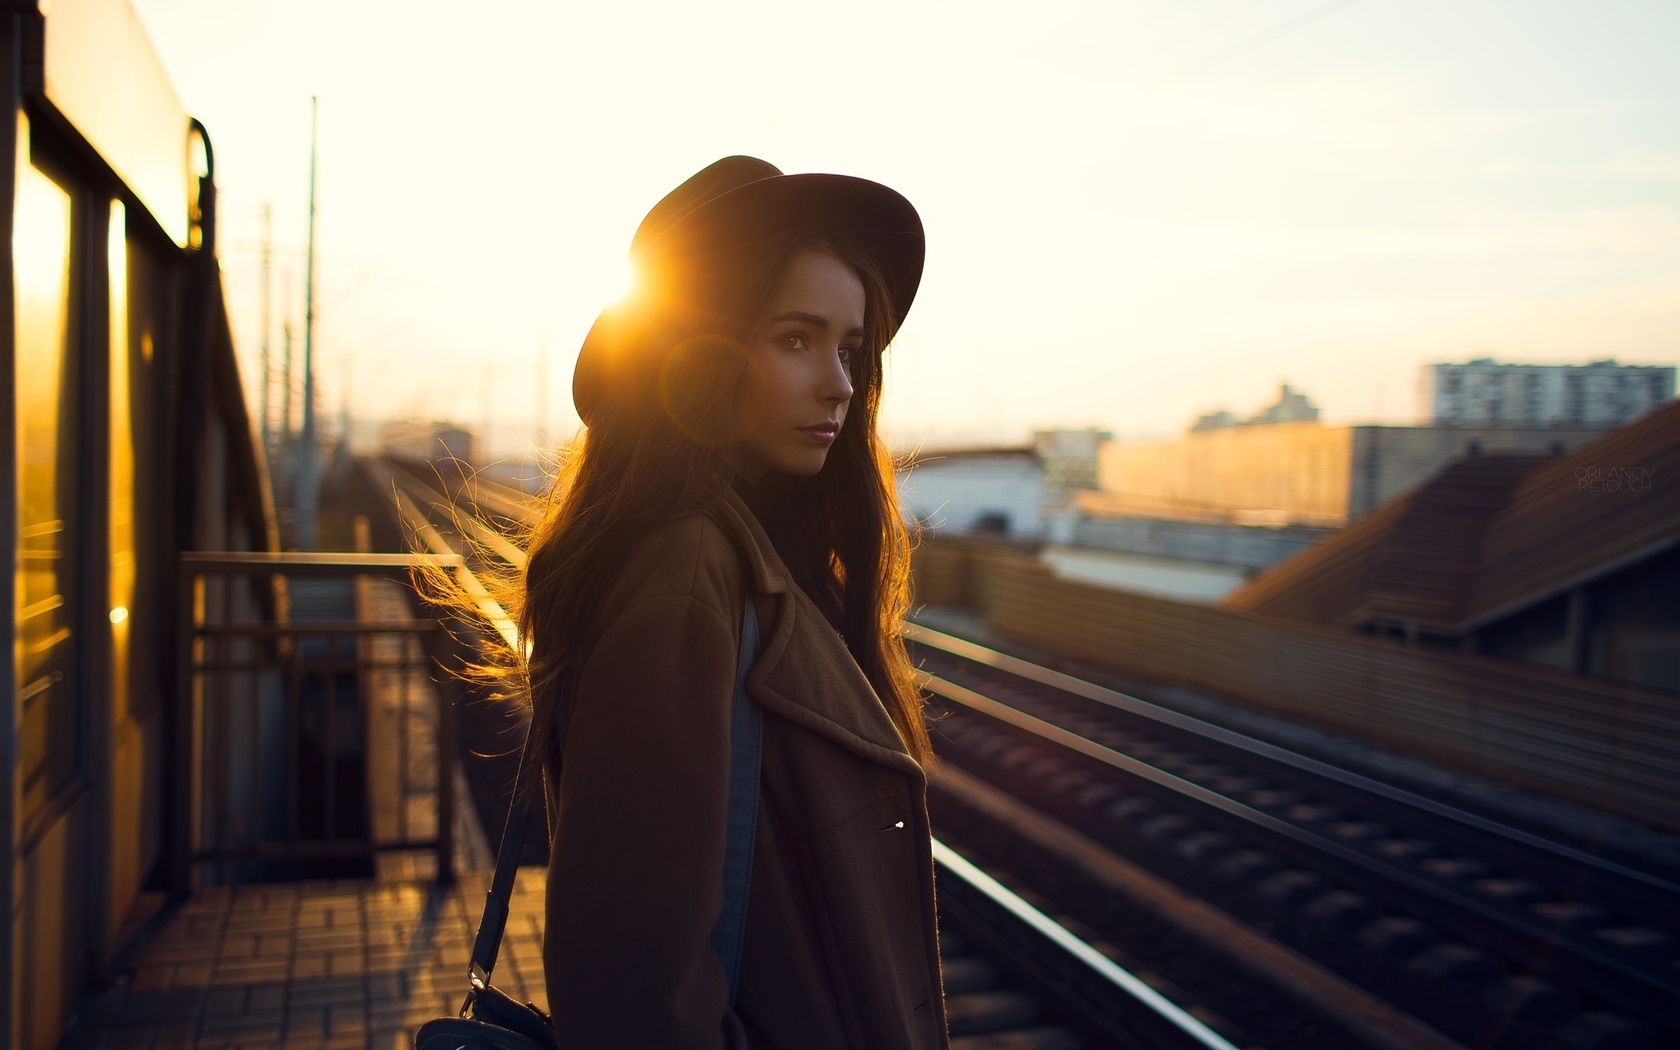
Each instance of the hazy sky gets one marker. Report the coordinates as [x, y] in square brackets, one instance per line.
[1136, 211]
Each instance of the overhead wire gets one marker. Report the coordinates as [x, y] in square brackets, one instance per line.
[1247, 44]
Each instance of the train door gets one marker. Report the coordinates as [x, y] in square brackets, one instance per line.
[50, 645]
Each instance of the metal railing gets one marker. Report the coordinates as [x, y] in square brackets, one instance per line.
[302, 746]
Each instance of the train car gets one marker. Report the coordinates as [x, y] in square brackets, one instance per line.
[124, 441]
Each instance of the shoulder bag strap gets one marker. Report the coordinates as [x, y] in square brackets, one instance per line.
[490, 926]
[745, 754]
[746, 738]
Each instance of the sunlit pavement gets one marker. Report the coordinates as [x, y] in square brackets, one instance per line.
[338, 963]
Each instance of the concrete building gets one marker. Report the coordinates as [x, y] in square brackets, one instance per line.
[1292, 406]
[1246, 547]
[975, 490]
[1484, 392]
[1300, 473]
[1070, 457]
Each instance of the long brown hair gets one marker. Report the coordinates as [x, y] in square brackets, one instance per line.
[659, 448]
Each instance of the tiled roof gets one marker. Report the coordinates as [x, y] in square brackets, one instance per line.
[1609, 503]
[1488, 536]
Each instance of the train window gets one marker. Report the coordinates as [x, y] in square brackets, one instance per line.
[47, 428]
[120, 502]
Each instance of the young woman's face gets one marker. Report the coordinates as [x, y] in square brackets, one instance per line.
[793, 398]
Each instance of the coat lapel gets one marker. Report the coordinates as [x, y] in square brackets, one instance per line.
[804, 671]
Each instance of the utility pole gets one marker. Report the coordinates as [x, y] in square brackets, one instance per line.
[267, 375]
[285, 435]
[288, 455]
[307, 467]
[487, 411]
[542, 398]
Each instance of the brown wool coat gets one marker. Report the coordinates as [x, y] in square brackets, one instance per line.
[840, 950]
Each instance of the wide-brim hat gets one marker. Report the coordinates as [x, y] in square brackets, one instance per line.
[739, 201]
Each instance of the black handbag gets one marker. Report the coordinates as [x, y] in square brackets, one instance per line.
[493, 1020]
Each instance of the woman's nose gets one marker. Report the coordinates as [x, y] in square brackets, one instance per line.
[837, 380]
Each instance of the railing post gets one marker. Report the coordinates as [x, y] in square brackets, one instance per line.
[445, 771]
[182, 837]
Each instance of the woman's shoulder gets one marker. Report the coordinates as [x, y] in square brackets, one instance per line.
[692, 556]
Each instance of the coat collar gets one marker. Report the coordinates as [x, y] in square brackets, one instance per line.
[804, 671]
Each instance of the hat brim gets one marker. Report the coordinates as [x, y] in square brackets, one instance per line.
[878, 219]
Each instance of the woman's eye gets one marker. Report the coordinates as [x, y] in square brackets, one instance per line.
[794, 341]
[847, 353]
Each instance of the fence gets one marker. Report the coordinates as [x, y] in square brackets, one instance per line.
[296, 730]
[1613, 747]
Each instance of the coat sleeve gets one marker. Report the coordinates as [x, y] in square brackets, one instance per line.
[635, 879]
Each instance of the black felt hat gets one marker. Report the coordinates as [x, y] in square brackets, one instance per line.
[735, 202]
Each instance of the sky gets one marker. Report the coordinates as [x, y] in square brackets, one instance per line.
[1137, 211]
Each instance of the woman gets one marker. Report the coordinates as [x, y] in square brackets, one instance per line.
[731, 458]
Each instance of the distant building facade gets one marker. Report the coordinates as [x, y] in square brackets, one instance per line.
[1602, 394]
[1070, 457]
[1301, 473]
[1292, 406]
[975, 490]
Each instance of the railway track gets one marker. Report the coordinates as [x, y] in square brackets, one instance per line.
[1382, 917]
[1017, 977]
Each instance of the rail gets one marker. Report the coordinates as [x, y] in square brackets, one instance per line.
[278, 732]
[1115, 1006]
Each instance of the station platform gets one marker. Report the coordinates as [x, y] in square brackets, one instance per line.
[328, 963]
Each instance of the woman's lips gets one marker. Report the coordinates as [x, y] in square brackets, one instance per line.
[822, 432]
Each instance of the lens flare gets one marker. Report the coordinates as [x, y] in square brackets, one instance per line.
[697, 382]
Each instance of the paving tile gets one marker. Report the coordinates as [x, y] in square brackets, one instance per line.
[253, 971]
[151, 976]
[384, 986]
[390, 1037]
[305, 1020]
[132, 1038]
[171, 1005]
[332, 936]
[85, 1037]
[259, 924]
[329, 992]
[174, 1033]
[276, 943]
[309, 966]
[184, 951]
[267, 997]
[347, 1018]
[235, 947]
[245, 1021]
[421, 1011]
[226, 1000]
[190, 975]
